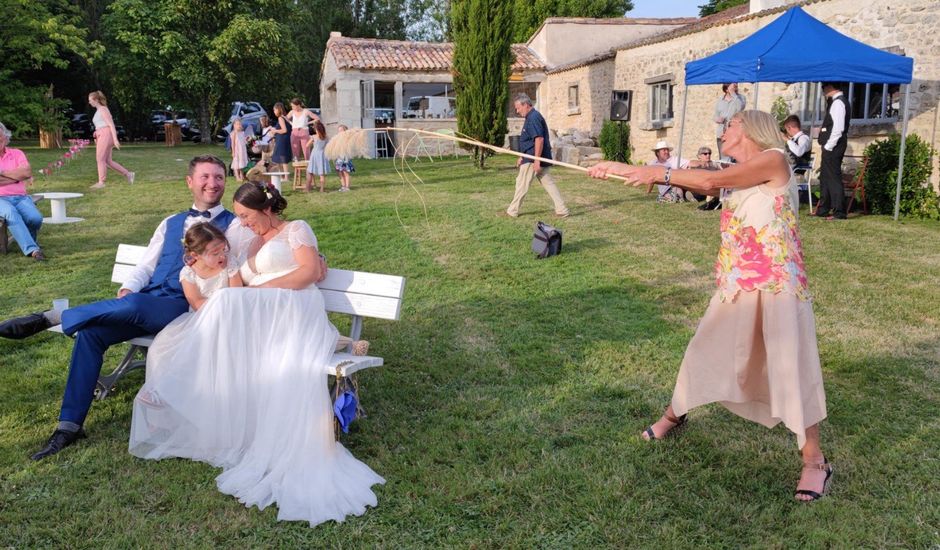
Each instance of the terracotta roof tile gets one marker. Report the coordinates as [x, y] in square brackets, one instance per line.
[399, 55]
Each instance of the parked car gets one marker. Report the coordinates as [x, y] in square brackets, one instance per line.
[249, 111]
[82, 127]
[159, 117]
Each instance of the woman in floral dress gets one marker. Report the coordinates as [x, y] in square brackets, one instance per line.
[755, 348]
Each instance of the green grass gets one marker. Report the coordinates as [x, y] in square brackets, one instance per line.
[514, 390]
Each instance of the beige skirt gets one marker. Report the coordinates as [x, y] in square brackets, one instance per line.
[758, 357]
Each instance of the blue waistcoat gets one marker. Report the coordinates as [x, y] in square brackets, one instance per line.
[165, 280]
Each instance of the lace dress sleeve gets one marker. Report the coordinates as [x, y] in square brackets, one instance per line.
[299, 234]
[187, 274]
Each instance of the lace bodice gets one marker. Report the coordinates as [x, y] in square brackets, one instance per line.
[760, 242]
[275, 258]
[208, 286]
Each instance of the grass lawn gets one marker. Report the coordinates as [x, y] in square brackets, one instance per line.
[509, 410]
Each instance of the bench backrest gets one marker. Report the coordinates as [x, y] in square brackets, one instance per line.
[352, 292]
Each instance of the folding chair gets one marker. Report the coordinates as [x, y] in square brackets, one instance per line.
[857, 185]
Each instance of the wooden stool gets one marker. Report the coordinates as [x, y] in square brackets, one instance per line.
[4, 237]
[300, 174]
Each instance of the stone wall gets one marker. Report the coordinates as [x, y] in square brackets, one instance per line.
[910, 25]
[595, 83]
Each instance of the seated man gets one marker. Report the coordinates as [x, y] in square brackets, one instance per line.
[663, 152]
[705, 162]
[149, 299]
[16, 207]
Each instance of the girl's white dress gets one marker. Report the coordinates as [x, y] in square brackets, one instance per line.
[241, 384]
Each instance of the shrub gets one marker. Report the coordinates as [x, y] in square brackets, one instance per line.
[780, 110]
[615, 141]
[917, 197]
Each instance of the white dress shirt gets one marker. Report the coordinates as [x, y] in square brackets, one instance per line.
[238, 237]
[837, 112]
[799, 144]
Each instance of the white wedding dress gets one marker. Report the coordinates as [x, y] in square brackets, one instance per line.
[241, 384]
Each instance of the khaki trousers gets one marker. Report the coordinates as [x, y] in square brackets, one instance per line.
[524, 179]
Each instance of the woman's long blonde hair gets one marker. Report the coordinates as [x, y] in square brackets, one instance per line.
[99, 97]
[761, 128]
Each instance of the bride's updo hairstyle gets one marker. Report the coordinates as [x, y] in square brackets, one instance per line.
[258, 196]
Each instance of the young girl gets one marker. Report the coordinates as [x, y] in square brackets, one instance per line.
[206, 270]
[317, 164]
[344, 167]
[239, 150]
[106, 139]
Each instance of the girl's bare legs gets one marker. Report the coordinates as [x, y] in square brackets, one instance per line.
[812, 479]
[322, 182]
[309, 185]
[239, 175]
[103, 147]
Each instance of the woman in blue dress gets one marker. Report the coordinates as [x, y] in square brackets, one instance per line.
[282, 130]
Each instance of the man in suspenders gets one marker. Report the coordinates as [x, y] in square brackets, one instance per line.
[833, 137]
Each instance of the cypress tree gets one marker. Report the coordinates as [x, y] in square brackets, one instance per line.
[482, 32]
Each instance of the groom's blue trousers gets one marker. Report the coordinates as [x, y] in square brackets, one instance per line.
[100, 325]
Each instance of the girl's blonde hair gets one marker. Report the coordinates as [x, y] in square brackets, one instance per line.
[99, 97]
[761, 128]
[238, 121]
[200, 236]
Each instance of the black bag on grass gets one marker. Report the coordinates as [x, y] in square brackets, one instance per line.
[546, 241]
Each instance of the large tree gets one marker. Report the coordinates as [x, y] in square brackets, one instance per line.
[481, 31]
[37, 36]
[205, 52]
[530, 14]
[715, 6]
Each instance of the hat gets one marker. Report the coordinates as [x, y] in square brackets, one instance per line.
[662, 144]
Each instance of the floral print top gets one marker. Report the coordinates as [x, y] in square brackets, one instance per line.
[760, 243]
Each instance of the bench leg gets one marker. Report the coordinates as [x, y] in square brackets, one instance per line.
[129, 363]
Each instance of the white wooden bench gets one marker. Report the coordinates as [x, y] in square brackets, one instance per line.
[355, 293]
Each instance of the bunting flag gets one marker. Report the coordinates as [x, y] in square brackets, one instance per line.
[75, 148]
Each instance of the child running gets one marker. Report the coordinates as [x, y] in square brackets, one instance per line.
[317, 163]
[206, 269]
[344, 167]
[239, 149]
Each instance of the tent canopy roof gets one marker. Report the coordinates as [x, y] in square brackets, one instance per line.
[796, 47]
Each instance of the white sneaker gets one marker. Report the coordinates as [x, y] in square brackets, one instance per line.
[130, 177]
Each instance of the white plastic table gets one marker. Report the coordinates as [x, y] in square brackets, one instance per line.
[276, 179]
[57, 201]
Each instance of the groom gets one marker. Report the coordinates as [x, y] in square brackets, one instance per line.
[147, 301]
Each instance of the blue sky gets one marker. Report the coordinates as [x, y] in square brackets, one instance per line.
[665, 8]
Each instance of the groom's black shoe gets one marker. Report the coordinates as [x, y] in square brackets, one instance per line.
[59, 440]
[18, 328]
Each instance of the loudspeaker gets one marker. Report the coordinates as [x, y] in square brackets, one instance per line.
[620, 102]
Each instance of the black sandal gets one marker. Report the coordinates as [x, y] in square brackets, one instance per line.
[676, 421]
[814, 496]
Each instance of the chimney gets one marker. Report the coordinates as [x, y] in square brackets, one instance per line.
[336, 34]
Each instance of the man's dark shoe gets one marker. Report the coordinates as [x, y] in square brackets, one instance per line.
[59, 440]
[18, 328]
[38, 255]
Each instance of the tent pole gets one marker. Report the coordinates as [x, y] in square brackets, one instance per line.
[685, 102]
[812, 126]
[756, 93]
[897, 196]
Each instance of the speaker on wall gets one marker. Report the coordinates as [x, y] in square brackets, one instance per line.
[620, 102]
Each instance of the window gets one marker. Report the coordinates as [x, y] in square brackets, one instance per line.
[573, 98]
[868, 103]
[660, 101]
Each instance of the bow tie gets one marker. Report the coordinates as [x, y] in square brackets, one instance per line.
[196, 213]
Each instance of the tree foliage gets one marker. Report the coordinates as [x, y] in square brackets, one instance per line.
[530, 14]
[715, 6]
[917, 196]
[481, 31]
[37, 35]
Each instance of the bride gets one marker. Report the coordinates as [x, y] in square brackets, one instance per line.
[242, 385]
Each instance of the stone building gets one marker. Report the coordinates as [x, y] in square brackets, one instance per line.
[656, 65]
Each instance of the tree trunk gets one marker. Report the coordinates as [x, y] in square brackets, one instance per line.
[50, 139]
[206, 135]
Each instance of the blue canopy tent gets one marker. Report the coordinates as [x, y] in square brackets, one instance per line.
[796, 47]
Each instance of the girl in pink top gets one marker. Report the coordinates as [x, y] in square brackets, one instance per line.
[105, 140]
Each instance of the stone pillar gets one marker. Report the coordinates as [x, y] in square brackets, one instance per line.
[398, 101]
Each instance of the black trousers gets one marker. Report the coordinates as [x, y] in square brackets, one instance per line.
[832, 193]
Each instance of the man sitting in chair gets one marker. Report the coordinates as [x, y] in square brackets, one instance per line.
[16, 207]
[147, 301]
